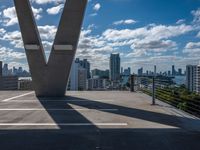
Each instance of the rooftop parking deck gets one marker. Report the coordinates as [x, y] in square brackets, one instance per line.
[111, 120]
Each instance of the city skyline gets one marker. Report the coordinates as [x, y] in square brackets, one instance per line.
[170, 38]
[86, 65]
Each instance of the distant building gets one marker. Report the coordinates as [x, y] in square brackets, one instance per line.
[140, 71]
[6, 71]
[127, 72]
[78, 77]
[7, 82]
[122, 70]
[25, 84]
[102, 74]
[169, 73]
[1, 72]
[191, 77]
[179, 71]
[96, 84]
[155, 70]
[147, 72]
[114, 67]
[173, 70]
[74, 77]
[82, 79]
[84, 64]
[197, 79]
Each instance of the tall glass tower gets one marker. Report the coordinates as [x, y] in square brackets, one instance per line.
[114, 67]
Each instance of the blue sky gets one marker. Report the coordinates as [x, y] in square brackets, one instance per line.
[144, 32]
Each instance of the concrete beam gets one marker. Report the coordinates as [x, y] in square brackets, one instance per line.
[50, 78]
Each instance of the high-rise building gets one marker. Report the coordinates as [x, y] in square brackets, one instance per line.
[154, 70]
[1, 69]
[173, 70]
[180, 71]
[82, 79]
[127, 72]
[15, 71]
[140, 71]
[114, 67]
[169, 73]
[5, 70]
[96, 84]
[78, 76]
[197, 79]
[103, 74]
[84, 64]
[74, 77]
[122, 70]
[190, 77]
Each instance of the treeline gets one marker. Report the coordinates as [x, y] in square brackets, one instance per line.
[179, 97]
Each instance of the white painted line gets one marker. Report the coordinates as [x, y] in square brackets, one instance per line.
[63, 124]
[62, 100]
[8, 99]
[42, 109]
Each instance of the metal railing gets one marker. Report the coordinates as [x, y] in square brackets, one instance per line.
[164, 89]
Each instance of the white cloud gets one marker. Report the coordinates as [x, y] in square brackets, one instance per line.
[7, 54]
[156, 46]
[10, 17]
[147, 33]
[192, 45]
[55, 10]
[180, 21]
[97, 7]
[36, 12]
[93, 14]
[198, 34]
[192, 48]
[196, 14]
[14, 38]
[124, 22]
[2, 31]
[47, 32]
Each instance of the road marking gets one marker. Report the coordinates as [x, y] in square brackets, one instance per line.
[63, 124]
[42, 109]
[61, 100]
[8, 99]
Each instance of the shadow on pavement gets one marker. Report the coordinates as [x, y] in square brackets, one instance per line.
[92, 137]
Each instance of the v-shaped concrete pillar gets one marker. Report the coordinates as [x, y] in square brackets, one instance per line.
[50, 78]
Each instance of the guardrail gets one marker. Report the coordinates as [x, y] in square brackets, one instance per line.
[164, 89]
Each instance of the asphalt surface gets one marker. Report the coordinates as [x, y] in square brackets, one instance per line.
[94, 120]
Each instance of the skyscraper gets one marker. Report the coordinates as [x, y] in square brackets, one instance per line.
[140, 71]
[5, 70]
[154, 70]
[179, 71]
[74, 77]
[82, 79]
[173, 70]
[114, 67]
[190, 77]
[1, 69]
[84, 64]
[197, 79]
[127, 72]
[78, 76]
